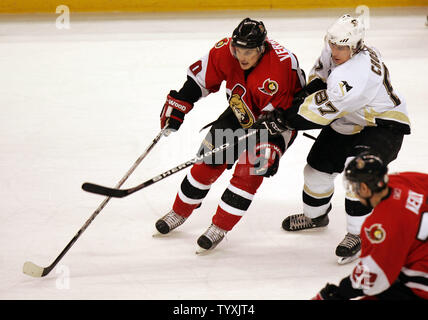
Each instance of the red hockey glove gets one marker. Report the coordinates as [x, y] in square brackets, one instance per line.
[173, 112]
[329, 292]
[267, 159]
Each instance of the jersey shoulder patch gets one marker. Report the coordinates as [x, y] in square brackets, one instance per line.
[222, 43]
[414, 201]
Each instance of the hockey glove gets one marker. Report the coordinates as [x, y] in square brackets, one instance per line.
[329, 292]
[173, 112]
[312, 87]
[273, 121]
[267, 159]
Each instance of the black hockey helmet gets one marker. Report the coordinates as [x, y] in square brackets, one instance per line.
[369, 169]
[249, 34]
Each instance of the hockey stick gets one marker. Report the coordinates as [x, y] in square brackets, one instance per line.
[34, 270]
[307, 135]
[120, 193]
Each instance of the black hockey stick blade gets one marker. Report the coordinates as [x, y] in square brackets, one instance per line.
[106, 191]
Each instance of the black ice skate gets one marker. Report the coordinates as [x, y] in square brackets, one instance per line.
[349, 248]
[297, 222]
[169, 222]
[210, 238]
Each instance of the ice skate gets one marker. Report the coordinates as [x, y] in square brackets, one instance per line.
[297, 222]
[168, 222]
[349, 248]
[210, 239]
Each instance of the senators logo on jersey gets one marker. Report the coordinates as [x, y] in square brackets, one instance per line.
[375, 233]
[241, 110]
[221, 43]
[269, 87]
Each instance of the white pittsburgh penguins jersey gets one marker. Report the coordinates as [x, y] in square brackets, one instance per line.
[358, 94]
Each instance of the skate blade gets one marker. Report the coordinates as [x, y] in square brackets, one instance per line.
[346, 260]
[202, 252]
[157, 234]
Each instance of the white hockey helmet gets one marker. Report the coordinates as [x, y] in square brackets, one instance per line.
[347, 31]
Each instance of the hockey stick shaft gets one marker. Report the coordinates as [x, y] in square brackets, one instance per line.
[307, 135]
[36, 271]
[120, 193]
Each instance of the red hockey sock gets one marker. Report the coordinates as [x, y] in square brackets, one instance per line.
[195, 187]
[238, 196]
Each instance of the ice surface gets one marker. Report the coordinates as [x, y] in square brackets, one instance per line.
[82, 104]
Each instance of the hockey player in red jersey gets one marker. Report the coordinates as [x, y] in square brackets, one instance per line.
[260, 75]
[394, 247]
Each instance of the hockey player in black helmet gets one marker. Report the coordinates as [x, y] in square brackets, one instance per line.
[260, 75]
[366, 171]
[249, 34]
[248, 43]
[394, 246]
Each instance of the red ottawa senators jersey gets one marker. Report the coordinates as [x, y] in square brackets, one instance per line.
[271, 84]
[394, 238]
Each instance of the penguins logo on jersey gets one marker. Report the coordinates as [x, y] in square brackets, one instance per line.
[241, 110]
[375, 233]
[344, 87]
[221, 43]
[269, 87]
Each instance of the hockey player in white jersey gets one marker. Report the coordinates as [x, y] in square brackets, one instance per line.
[349, 95]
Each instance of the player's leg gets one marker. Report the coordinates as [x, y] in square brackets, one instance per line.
[238, 196]
[324, 163]
[193, 189]
[197, 183]
[385, 143]
[234, 203]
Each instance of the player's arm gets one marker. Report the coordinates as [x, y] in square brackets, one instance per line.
[293, 115]
[322, 66]
[203, 78]
[320, 108]
[297, 116]
[178, 104]
[385, 245]
[269, 153]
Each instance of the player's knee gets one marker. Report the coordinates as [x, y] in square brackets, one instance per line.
[318, 182]
[243, 179]
[206, 173]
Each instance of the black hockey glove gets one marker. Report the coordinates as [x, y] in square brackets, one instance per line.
[312, 87]
[329, 292]
[273, 121]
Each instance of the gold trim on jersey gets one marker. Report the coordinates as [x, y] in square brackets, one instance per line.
[307, 113]
[370, 116]
[317, 195]
[315, 76]
[357, 129]
[351, 195]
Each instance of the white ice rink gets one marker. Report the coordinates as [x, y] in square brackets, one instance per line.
[82, 105]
